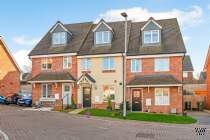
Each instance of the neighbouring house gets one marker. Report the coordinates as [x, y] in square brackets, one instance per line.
[194, 90]
[25, 86]
[83, 62]
[9, 71]
[154, 66]
[207, 75]
[54, 64]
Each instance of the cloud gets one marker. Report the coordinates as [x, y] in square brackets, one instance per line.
[186, 18]
[25, 41]
[22, 59]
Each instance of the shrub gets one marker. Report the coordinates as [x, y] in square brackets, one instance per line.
[109, 104]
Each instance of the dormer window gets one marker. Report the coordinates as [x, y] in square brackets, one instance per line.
[151, 37]
[103, 37]
[59, 38]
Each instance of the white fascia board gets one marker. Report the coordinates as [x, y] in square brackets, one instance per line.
[53, 55]
[169, 85]
[51, 81]
[155, 56]
[100, 55]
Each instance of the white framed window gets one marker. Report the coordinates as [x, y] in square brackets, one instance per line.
[152, 36]
[103, 37]
[162, 64]
[59, 38]
[108, 92]
[86, 63]
[108, 63]
[136, 65]
[46, 64]
[185, 74]
[47, 91]
[162, 96]
[67, 62]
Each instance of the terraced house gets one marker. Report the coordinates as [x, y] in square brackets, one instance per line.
[85, 61]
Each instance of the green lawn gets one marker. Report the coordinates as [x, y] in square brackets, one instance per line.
[151, 117]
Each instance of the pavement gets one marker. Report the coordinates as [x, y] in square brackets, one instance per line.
[19, 124]
[202, 117]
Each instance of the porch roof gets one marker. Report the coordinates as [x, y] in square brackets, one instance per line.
[53, 77]
[154, 80]
[90, 78]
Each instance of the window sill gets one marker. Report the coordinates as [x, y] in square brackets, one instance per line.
[47, 99]
[86, 71]
[108, 71]
[163, 105]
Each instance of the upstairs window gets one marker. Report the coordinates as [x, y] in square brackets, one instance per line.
[108, 63]
[185, 74]
[136, 65]
[59, 38]
[162, 64]
[46, 64]
[151, 37]
[86, 64]
[103, 37]
[67, 62]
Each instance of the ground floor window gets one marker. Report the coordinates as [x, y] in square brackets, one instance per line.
[162, 96]
[47, 91]
[109, 92]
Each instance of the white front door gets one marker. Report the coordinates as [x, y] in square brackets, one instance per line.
[66, 93]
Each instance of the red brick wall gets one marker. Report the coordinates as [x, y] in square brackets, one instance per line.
[175, 100]
[36, 89]
[148, 68]
[57, 66]
[208, 83]
[10, 83]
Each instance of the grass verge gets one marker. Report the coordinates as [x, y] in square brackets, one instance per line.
[150, 117]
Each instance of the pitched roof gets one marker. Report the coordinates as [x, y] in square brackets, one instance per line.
[79, 32]
[26, 76]
[82, 41]
[117, 45]
[202, 76]
[53, 76]
[90, 78]
[171, 39]
[10, 54]
[159, 79]
[187, 64]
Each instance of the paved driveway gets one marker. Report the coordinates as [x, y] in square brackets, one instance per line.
[202, 117]
[34, 125]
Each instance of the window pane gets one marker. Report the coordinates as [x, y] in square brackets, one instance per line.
[155, 36]
[162, 64]
[44, 94]
[111, 63]
[59, 38]
[98, 37]
[105, 37]
[49, 91]
[105, 63]
[147, 37]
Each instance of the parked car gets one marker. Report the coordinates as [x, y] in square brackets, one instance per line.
[25, 101]
[2, 99]
[12, 98]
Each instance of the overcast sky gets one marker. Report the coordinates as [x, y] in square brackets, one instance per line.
[23, 23]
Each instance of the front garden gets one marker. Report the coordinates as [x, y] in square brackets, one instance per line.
[151, 117]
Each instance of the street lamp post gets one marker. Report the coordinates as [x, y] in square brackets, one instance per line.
[124, 66]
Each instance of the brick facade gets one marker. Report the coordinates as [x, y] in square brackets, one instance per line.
[148, 69]
[57, 66]
[208, 82]
[9, 72]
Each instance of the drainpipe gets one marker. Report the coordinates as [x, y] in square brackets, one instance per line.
[182, 86]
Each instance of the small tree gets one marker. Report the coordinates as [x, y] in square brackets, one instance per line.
[73, 104]
[109, 104]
